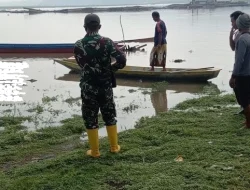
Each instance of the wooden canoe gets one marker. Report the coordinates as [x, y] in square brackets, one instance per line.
[54, 48]
[171, 74]
[39, 48]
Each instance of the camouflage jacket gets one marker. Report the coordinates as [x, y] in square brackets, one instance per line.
[93, 54]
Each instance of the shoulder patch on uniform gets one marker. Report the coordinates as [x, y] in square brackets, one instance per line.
[79, 44]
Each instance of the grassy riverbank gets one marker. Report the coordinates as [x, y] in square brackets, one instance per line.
[214, 153]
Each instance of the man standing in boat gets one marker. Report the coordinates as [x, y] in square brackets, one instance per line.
[159, 52]
[233, 37]
[241, 73]
[93, 54]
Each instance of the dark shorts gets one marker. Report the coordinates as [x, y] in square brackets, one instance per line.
[237, 95]
[96, 98]
[242, 90]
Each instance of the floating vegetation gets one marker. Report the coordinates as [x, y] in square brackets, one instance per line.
[56, 112]
[32, 80]
[38, 109]
[131, 91]
[211, 89]
[130, 108]
[145, 92]
[7, 111]
[72, 100]
[178, 60]
[47, 99]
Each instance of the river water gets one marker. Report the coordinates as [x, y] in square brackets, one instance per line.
[198, 36]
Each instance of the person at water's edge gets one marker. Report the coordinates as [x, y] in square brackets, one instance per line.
[93, 54]
[233, 37]
[159, 51]
[241, 73]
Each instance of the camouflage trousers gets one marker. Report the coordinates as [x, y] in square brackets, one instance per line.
[95, 98]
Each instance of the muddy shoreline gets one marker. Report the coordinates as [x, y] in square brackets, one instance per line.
[127, 9]
[174, 149]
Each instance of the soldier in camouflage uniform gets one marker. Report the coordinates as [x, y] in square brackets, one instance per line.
[93, 54]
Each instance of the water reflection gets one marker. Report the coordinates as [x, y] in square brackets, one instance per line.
[159, 101]
[158, 95]
[51, 95]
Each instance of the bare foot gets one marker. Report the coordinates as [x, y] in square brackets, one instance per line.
[152, 69]
[164, 69]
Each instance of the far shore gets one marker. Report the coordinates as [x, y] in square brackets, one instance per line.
[124, 8]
